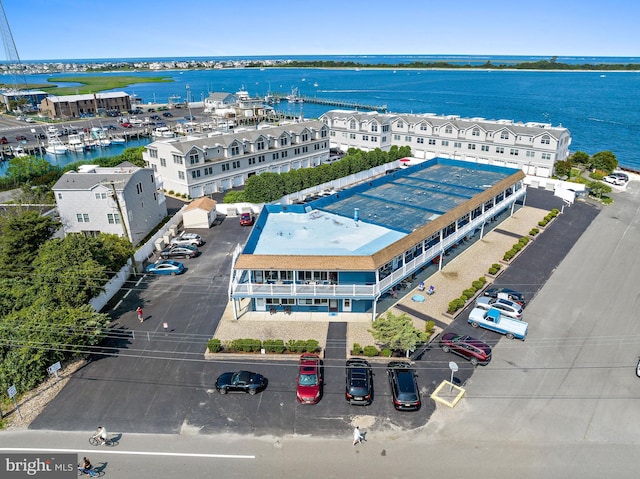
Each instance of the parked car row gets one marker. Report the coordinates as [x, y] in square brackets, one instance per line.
[183, 246]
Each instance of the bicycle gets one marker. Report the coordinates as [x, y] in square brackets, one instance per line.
[91, 472]
[94, 441]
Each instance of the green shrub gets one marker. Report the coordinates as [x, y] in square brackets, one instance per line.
[483, 280]
[273, 346]
[214, 345]
[430, 327]
[171, 192]
[606, 200]
[508, 255]
[517, 247]
[496, 266]
[311, 346]
[296, 346]
[542, 223]
[493, 270]
[246, 345]
[386, 353]
[357, 349]
[453, 306]
[477, 285]
[524, 240]
[534, 231]
[370, 351]
[554, 212]
[469, 293]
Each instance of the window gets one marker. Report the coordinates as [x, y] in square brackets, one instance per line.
[275, 156]
[475, 132]
[504, 135]
[432, 141]
[352, 125]
[396, 137]
[323, 133]
[177, 159]
[400, 124]
[82, 217]
[445, 142]
[153, 153]
[499, 149]
[236, 164]
[513, 152]
[365, 137]
[285, 154]
[225, 166]
[163, 162]
[546, 156]
[101, 196]
[374, 139]
[235, 150]
[195, 174]
[531, 154]
[260, 145]
[252, 161]
[448, 130]
[305, 149]
[421, 141]
[260, 158]
[374, 127]
[305, 137]
[385, 128]
[284, 141]
[545, 140]
[423, 127]
[208, 171]
[471, 146]
[155, 168]
[59, 196]
[484, 147]
[457, 144]
[407, 139]
[113, 218]
[139, 187]
[181, 175]
[193, 158]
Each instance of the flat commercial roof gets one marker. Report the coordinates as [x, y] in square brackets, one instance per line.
[388, 208]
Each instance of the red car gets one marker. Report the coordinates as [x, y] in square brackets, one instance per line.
[246, 219]
[3, 140]
[467, 347]
[127, 125]
[309, 383]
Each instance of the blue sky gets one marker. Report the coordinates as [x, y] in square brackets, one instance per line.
[55, 29]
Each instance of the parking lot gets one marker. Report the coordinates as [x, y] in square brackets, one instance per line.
[156, 381]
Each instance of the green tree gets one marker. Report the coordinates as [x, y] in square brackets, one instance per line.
[22, 233]
[604, 160]
[563, 168]
[580, 158]
[598, 188]
[66, 273]
[25, 168]
[397, 332]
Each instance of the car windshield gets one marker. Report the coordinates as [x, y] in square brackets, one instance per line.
[308, 380]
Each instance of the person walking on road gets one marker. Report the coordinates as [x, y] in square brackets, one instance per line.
[357, 437]
[140, 315]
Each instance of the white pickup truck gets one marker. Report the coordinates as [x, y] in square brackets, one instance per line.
[494, 321]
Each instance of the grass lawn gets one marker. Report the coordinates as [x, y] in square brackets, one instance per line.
[93, 84]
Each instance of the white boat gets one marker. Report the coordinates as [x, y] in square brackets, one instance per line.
[315, 84]
[55, 146]
[118, 139]
[98, 133]
[18, 151]
[294, 97]
[163, 132]
[76, 142]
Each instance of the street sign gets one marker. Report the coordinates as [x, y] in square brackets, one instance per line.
[54, 368]
[454, 368]
[12, 391]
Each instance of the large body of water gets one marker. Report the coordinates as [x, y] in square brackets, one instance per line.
[601, 109]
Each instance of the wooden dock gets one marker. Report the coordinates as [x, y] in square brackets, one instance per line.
[279, 97]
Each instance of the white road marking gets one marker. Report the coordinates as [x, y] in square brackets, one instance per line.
[125, 453]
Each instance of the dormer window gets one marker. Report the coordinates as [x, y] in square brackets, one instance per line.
[545, 140]
[448, 130]
[352, 125]
[475, 132]
[260, 145]
[504, 135]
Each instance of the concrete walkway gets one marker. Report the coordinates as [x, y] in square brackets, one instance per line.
[456, 276]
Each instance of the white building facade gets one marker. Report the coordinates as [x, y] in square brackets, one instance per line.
[199, 165]
[531, 147]
[125, 201]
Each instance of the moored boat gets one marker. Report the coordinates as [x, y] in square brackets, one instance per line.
[55, 146]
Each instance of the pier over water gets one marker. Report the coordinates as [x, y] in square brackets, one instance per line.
[278, 97]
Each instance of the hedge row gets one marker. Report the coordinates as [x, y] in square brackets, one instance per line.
[516, 248]
[467, 294]
[277, 346]
[552, 214]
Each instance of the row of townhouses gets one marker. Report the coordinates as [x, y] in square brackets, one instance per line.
[531, 147]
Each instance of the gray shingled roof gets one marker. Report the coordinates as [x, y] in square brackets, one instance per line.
[183, 145]
[85, 181]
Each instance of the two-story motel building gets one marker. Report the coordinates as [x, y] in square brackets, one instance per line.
[341, 253]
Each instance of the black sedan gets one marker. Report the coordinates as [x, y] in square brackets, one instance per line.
[359, 387]
[510, 294]
[179, 252]
[242, 381]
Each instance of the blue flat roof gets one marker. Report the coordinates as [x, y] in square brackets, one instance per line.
[389, 208]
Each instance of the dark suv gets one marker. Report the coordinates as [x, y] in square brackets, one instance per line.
[359, 388]
[404, 388]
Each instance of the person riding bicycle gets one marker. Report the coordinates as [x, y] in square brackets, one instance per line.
[101, 435]
[86, 466]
